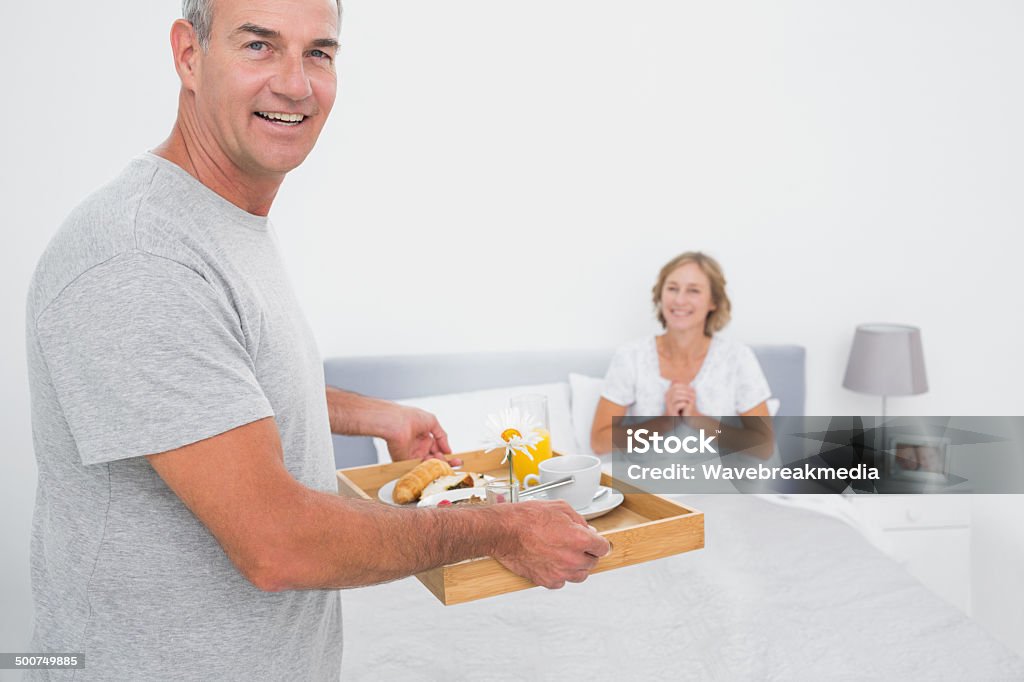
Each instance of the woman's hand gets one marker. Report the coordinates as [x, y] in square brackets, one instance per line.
[681, 401]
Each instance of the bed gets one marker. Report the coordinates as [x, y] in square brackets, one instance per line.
[780, 592]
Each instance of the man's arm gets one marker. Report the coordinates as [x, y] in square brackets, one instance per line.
[409, 432]
[281, 535]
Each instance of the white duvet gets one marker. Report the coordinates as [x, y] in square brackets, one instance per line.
[779, 593]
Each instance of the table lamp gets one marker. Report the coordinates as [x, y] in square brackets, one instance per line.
[885, 360]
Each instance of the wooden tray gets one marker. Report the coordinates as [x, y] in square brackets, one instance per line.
[642, 528]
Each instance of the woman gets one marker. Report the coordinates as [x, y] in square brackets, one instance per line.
[688, 371]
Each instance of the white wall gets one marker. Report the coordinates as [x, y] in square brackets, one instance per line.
[847, 162]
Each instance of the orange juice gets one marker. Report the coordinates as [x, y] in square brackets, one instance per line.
[522, 465]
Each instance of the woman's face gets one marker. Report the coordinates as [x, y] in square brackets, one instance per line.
[686, 298]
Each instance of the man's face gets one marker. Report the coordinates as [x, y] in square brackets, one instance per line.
[266, 84]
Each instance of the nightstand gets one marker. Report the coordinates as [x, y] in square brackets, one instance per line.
[929, 534]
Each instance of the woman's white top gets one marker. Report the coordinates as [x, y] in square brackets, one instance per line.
[730, 381]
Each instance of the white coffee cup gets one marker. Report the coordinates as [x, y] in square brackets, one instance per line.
[585, 468]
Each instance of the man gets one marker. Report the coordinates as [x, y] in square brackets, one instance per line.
[185, 526]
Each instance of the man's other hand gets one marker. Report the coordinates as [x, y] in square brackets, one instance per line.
[417, 435]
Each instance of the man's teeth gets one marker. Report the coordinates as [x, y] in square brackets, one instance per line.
[283, 118]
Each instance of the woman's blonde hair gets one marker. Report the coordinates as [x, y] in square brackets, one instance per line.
[717, 318]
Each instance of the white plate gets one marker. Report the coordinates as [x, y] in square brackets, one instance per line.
[453, 496]
[604, 504]
[385, 492]
[388, 489]
[600, 507]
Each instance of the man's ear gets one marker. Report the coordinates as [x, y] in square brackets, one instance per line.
[186, 49]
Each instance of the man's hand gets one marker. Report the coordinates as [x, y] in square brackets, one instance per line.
[681, 401]
[410, 433]
[417, 435]
[548, 543]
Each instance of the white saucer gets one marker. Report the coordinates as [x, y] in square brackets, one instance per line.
[598, 507]
[602, 505]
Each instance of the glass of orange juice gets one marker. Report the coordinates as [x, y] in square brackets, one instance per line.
[536, 406]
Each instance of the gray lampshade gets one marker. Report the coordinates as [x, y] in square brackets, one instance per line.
[886, 359]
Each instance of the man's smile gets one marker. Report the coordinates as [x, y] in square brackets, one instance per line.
[280, 118]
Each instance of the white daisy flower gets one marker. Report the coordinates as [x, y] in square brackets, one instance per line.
[513, 430]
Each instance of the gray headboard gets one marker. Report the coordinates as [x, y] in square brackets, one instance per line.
[413, 376]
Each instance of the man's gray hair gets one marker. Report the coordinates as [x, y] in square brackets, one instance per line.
[199, 13]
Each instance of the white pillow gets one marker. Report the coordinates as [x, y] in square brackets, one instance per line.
[586, 393]
[462, 415]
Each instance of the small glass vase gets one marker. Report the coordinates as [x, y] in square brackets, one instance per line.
[500, 492]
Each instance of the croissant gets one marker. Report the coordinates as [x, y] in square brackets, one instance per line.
[409, 487]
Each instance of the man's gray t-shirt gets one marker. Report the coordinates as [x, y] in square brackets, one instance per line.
[161, 315]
